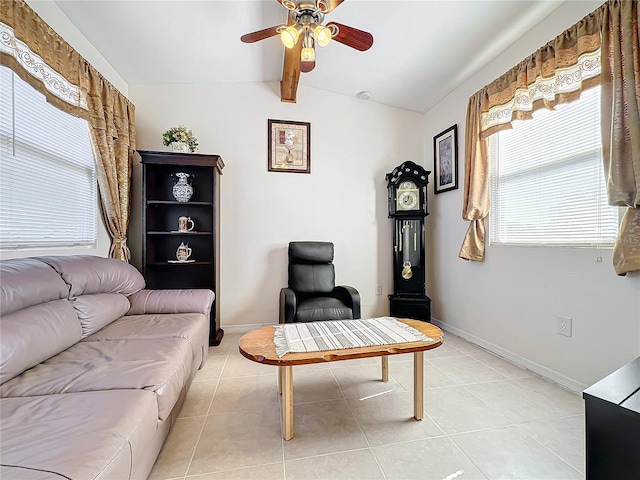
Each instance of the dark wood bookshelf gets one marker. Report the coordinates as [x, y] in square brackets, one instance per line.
[169, 202]
[159, 224]
[182, 234]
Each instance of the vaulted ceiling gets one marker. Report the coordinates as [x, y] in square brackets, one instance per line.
[422, 50]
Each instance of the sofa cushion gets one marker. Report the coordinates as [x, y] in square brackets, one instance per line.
[8, 472]
[100, 309]
[87, 274]
[31, 335]
[77, 435]
[187, 300]
[25, 282]
[161, 365]
[192, 327]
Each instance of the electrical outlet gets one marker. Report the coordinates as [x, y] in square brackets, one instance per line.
[564, 325]
[378, 289]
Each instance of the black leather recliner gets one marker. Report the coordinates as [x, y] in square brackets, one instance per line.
[312, 294]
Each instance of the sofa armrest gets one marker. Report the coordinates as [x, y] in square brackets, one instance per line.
[349, 296]
[288, 305]
[171, 301]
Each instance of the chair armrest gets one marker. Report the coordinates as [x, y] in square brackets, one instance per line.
[171, 301]
[350, 297]
[288, 305]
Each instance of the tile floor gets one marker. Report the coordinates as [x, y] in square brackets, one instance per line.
[484, 419]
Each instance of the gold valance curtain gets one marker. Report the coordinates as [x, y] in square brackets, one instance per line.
[44, 59]
[580, 57]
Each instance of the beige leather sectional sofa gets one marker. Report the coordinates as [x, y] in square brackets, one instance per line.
[93, 368]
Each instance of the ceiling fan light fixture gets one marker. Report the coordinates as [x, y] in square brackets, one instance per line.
[289, 4]
[308, 54]
[324, 6]
[322, 35]
[290, 35]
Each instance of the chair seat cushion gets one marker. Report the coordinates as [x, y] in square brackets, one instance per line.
[322, 308]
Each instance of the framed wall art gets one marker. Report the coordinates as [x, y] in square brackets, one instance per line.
[289, 146]
[445, 159]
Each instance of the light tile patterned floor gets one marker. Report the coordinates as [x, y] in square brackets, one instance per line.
[484, 419]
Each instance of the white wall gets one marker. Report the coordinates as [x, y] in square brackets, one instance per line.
[50, 13]
[344, 200]
[56, 19]
[509, 302]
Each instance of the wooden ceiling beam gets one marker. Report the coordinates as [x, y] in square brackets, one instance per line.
[290, 74]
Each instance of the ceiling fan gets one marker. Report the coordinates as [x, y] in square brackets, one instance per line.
[300, 36]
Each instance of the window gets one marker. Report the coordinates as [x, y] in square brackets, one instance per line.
[48, 190]
[547, 182]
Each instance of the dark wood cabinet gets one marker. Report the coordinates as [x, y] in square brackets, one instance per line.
[159, 234]
[405, 306]
[612, 416]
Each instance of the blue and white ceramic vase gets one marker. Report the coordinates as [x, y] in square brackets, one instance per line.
[182, 187]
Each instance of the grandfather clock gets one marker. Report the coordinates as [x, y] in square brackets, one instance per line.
[407, 195]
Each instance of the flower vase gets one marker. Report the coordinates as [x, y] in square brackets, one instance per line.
[180, 147]
[182, 187]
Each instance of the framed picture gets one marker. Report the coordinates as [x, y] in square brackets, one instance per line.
[289, 146]
[445, 155]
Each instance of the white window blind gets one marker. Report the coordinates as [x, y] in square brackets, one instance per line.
[48, 186]
[547, 182]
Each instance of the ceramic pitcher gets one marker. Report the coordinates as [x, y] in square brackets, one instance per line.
[183, 253]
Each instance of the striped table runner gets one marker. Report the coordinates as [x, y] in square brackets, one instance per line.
[342, 334]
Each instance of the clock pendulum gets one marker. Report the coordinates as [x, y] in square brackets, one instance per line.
[407, 198]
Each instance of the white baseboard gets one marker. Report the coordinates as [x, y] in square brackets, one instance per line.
[557, 377]
[243, 328]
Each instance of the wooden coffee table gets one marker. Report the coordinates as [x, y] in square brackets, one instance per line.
[258, 346]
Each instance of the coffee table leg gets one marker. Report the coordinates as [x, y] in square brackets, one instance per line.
[287, 402]
[418, 385]
[385, 368]
[280, 375]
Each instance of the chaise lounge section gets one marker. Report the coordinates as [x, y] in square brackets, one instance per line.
[93, 368]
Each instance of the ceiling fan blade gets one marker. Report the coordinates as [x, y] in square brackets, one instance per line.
[352, 37]
[290, 74]
[306, 67]
[260, 34]
[327, 6]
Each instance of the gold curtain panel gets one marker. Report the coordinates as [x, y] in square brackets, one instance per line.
[109, 113]
[600, 49]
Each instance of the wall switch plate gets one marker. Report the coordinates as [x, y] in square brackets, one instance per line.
[564, 325]
[378, 289]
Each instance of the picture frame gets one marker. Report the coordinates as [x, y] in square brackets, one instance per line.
[445, 160]
[289, 146]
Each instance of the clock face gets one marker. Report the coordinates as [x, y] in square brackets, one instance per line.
[408, 200]
[408, 197]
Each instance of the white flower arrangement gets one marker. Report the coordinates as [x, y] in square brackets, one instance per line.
[180, 134]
